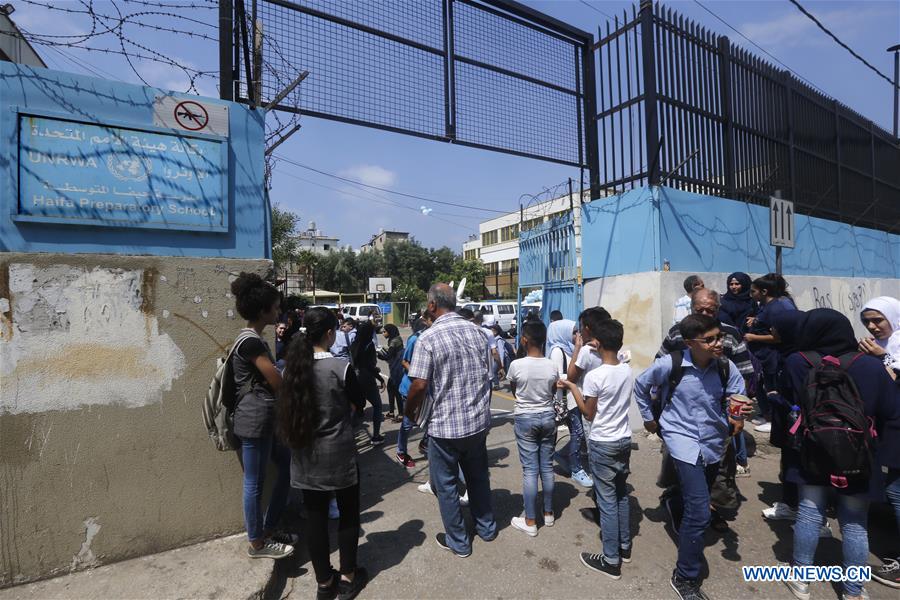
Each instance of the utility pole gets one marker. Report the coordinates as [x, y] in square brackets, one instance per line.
[896, 51]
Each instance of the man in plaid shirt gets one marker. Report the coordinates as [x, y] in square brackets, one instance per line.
[451, 394]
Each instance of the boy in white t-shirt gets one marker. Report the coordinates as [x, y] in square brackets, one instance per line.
[533, 382]
[606, 396]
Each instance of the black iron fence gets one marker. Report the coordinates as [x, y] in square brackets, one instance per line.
[681, 106]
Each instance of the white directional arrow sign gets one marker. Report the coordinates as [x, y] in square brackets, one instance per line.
[782, 231]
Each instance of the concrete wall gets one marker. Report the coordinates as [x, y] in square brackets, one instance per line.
[104, 363]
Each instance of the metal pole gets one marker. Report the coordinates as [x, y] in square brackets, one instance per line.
[778, 248]
[896, 51]
[651, 124]
[226, 61]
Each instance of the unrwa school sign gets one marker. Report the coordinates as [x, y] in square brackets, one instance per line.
[97, 174]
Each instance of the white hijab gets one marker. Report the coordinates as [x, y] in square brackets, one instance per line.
[890, 308]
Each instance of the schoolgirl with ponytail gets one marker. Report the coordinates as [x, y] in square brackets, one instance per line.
[315, 407]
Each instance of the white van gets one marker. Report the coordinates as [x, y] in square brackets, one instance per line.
[503, 311]
[364, 311]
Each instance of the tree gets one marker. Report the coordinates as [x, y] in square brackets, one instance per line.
[308, 261]
[472, 270]
[407, 292]
[284, 244]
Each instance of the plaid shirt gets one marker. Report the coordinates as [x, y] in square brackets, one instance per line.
[450, 356]
[733, 347]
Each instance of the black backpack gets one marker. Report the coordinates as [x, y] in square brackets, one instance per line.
[677, 373]
[836, 436]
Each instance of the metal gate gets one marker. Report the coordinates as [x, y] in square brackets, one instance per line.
[547, 259]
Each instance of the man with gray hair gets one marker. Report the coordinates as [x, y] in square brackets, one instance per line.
[451, 394]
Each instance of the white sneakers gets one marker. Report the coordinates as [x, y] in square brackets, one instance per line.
[779, 511]
[549, 520]
[520, 524]
[764, 428]
[425, 488]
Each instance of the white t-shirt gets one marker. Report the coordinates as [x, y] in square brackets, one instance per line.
[587, 360]
[561, 360]
[534, 379]
[613, 386]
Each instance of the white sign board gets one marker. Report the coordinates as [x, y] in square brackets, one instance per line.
[782, 231]
[190, 114]
[380, 285]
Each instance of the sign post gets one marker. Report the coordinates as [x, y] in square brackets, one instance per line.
[782, 230]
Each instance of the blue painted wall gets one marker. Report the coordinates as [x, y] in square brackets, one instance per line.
[98, 100]
[638, 230]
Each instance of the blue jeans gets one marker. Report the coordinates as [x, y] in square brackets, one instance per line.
[740, 449]
[610, 466]
[892, 491]
[403, 435]
[576, 436]
[255, 454]
[445, 459]
[852, 512]
[695, 480]
[535, 438]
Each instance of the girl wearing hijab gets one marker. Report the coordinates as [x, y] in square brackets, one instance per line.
[771, 293]
[828, 332]
[881, 316]
[393, 355]
[364, 359]
[560, 346]
[736, 305]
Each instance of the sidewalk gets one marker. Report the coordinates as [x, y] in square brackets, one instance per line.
[397, 544]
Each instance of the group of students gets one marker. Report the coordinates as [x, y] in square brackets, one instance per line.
[574, 373]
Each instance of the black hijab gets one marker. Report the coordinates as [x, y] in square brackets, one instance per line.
[790, 326]
[735, 308]
[827, 332]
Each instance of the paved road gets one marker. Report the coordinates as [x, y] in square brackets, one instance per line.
[399, 524]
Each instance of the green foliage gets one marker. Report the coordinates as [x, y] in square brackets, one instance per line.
[284, 228]
[407, 292]
[472, 270]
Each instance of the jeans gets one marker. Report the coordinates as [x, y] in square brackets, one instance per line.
[610, 466]
[535, 438]
[852, 515]
[403, 435]
[695, 481]
[576, 437]
[892, 491]
[740, 449]
[317, 542]
[255, 454]
[445, 459]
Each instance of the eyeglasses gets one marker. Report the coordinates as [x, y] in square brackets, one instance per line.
[710, 339]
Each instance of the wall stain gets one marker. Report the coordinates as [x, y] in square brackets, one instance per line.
[90, 361]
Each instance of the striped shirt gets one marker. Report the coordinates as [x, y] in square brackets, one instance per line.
[733, 347]
[450, 356]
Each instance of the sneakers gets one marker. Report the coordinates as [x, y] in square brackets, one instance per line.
[742, 471]
[331, 591]
[598, 562]
[549, 520]
[625, 554]
[347, 590]
[888, 573]
[582, 479]
[764, 428]
[270, 549]
[377, 440]
[687, 589]
[406, 460]
[799, 589]
[863, 595]
[779, 511]
[441, 540]
[757, 421]
[425, 488]
[590, 514]
[285, 537]
[520, 524]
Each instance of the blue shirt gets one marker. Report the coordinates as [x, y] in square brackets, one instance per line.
[407, 356]
[693, 423]
[341, 347]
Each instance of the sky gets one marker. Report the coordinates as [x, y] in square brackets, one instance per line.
[437, 170]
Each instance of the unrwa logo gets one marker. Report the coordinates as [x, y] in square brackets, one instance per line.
[129, 168]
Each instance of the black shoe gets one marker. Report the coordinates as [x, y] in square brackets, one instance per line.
[330, 592]
[888, 573]
[377, 440]
[598, 563]
[347, 590]
[590, 514]
[687, 589]
[625, 555]
[441, 540]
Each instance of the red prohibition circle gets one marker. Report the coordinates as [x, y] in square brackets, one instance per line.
[191, 115]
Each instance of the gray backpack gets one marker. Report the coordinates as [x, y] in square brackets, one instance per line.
[221, 398]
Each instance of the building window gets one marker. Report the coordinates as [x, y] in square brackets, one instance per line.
[490, 268]
[510, 232]
[489, 238]
[471, 254]
[326, 247]
[532, 223]
[514, 265]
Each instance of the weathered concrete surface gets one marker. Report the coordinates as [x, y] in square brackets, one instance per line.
[214, 569]
[104, 363]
